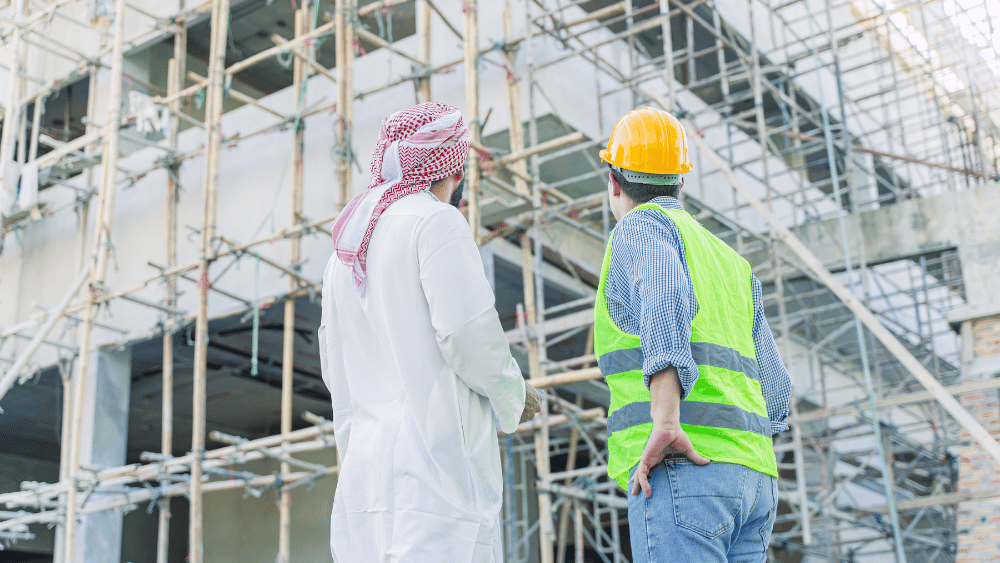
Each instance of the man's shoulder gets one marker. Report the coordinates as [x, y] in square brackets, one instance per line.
[643, 224]
[425, 207]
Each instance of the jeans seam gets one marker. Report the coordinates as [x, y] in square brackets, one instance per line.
[764, 534]
[645, 519]
[756, 497]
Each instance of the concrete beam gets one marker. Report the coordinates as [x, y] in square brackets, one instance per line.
[964, 220]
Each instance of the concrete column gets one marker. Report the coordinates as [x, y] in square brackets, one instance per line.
[102, 444]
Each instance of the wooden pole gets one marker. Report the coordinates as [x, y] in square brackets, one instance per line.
[11, 375]
[668, 52]
[574, 437]
[102, 242]
[471, 35]
[213, 143]
[15, 84]
[345, 38]
[36, 128]
[546, 535]
[530, 307]
[288, 334]
[545, 531]
[424, 33]
[514, 101]
[175, 81]
[82, 262]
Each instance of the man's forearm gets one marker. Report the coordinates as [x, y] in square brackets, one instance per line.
[665, 396]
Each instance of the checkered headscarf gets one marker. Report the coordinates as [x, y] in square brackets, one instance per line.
[416, 146]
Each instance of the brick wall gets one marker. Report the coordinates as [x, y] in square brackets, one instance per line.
[986, 337]
[978, 523]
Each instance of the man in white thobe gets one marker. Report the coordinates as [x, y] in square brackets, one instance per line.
[417, 364]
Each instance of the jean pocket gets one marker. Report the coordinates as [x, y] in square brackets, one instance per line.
[706, 498]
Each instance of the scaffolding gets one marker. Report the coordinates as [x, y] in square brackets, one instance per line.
[809, 113]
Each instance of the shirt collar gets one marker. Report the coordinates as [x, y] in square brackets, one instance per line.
[667, 202]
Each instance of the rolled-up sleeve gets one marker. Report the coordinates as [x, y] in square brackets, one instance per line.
[650, 286]
[775, 382]
[465, 320]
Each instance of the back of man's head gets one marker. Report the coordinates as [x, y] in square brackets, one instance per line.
[642, 192]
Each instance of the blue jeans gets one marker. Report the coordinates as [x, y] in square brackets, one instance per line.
[720, 512]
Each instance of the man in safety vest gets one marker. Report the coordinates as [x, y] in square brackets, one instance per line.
[697, 387]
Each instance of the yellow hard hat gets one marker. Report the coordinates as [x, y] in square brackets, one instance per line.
[648, 141]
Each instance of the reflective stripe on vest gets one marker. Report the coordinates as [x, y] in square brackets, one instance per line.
[705, 354]
[692, 412]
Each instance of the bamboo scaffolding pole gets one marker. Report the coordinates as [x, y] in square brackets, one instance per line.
[900, 157]
[444, 19]
[345, 37]
[423, 26]
[668, 52]
[574, 438]
[294, 276]
[530, 308]
[202, 81]
[574, 376]
[578, 531]
[296, 43]
[308, 439]
[320, 31]
[36, 128]
[288, 328]
[233, 250]
[175, 80]
[213, 142]
[279, 40]
[372, 38]
[15, 86]
[379, 5]
[505, 44]
[11, 375]
[69, 383]
[102, 247]
[305, 439]
[522, 154]
[528, 428]
[629, 32]
[532, 268]
[470, 10]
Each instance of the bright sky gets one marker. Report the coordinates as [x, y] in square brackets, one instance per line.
[978, 21]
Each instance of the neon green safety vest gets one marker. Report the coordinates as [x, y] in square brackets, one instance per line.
[724, 415]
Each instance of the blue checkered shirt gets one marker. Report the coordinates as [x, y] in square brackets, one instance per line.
[649, 293]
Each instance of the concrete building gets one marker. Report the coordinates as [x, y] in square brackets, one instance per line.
[170, 170]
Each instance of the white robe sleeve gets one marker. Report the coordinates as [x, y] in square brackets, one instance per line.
[331, 361]
[465, 320]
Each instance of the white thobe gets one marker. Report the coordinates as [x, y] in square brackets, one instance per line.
[417, 368]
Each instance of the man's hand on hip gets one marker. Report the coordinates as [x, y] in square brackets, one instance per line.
[667, 436]
[665, 439]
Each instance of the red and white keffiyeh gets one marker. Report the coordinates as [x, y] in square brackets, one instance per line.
[416, 146]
